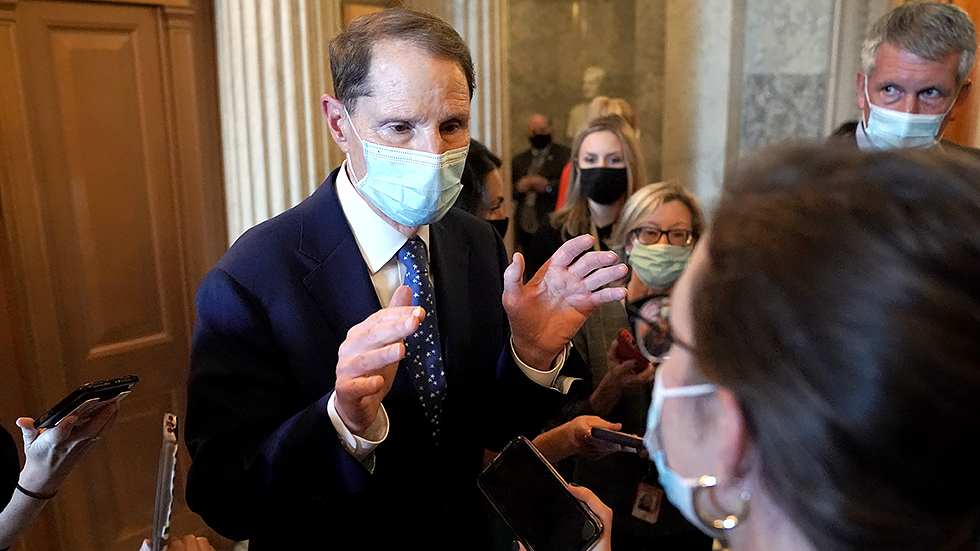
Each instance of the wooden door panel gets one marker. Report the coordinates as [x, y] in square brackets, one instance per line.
[106, 197]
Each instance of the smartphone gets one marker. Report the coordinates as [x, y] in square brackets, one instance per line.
[626, 349]
[534, 501]
[621, 438]
[166, 468]
[86, 399]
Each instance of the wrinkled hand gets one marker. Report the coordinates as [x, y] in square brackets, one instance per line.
[368, 359]
[52, 453]
[186, 543]
[547, 311]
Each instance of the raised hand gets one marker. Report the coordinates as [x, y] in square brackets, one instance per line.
[547, 311]
[368, 359]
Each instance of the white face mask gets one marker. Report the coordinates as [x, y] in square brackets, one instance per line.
[888, 129]
[679, 490]
[412, 187]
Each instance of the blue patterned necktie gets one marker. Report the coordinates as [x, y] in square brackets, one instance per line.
[423, 352]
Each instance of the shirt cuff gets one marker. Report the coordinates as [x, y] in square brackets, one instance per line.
[361, 448]
[551, 378]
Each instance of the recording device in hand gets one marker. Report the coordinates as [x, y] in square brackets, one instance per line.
[626, 349]
[534, 501]
[163, 503]
[85, 400]
[616, 437]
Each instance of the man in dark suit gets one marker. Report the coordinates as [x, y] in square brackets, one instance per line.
[536, 174]
[329, 405]
[915, 61]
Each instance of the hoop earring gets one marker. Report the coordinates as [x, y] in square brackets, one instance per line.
[706, 484]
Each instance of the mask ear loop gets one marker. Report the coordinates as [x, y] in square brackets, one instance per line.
[708, 483]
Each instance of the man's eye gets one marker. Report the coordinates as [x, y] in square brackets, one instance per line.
[931, 93]
[399, 127]
[888, 90]
[452, 127]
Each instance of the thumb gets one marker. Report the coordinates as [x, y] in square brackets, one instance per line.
[514, 274]
[28, 431]
[402, 296]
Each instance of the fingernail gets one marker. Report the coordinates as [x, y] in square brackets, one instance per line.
[574, 484]
[418, 312]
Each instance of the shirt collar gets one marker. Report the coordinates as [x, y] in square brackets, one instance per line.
[376, 238]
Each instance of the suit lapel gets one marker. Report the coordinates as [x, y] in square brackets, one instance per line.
[450, 267]
[341, 284]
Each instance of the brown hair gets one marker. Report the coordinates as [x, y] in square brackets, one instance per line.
[352, 49]
[573, 218]
[856, 279]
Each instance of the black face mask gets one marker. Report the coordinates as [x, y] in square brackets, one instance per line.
[500, 225]
[540, 141]
[604, 185]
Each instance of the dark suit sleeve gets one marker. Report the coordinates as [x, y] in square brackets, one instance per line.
[257, 448]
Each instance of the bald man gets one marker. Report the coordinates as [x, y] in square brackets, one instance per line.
[536, 173]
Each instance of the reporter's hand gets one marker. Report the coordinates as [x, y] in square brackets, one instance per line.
[600, 509]
[575, 438]
[52, 453]
[368, 359]
[604, 513]
[621, 375]
[187, 543]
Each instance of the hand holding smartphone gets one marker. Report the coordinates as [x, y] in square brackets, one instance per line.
[616, 437]
[84, 401]
[535, 502]
[626, 349]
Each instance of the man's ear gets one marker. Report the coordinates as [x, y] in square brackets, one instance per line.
[333, 110]
[861, 100]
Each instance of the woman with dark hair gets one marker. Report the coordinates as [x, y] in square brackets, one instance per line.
[823, 386]
[482, 194]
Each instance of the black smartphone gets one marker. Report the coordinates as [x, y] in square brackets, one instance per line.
[86, 399]
[534, 501]
[621, 438]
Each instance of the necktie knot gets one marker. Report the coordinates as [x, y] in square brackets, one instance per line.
[414, 255]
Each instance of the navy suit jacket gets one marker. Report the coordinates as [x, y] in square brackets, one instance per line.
[267, 464]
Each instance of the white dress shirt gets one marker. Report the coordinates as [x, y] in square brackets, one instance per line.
[379, 243]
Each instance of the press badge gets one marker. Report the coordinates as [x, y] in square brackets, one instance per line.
[646, 506]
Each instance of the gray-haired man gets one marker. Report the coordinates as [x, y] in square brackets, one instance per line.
[914, 66]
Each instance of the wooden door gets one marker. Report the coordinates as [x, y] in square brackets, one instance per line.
[95, 185]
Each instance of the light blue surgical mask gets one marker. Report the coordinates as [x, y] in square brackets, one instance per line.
[680, 491]
[658, 266]
[412, 187]
[888, 129]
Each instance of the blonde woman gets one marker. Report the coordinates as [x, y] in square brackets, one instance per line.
[606, 170]
[658, 227]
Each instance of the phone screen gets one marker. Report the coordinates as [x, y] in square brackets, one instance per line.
[532, 498]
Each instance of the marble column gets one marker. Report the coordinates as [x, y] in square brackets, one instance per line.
[272, 69]
[702, 92]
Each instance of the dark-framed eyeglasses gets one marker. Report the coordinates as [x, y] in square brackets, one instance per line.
[649, 235]
[651, 327]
